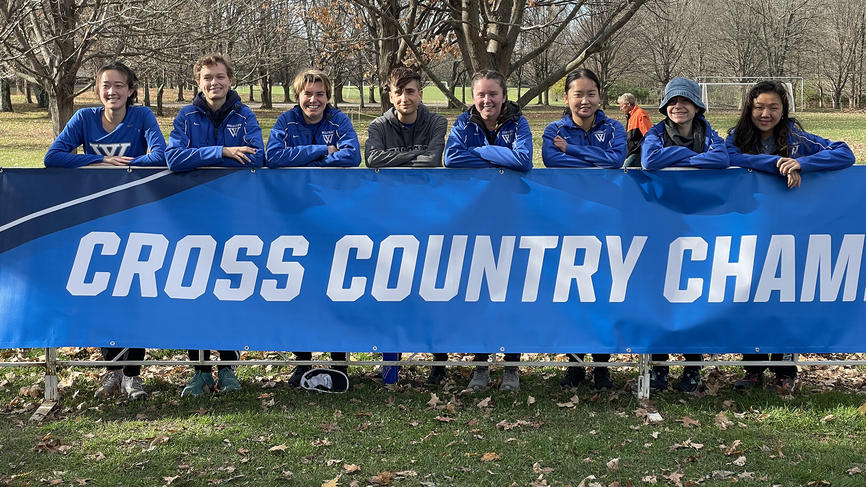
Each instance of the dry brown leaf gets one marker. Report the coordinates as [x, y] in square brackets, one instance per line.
[675, 478]
[722, 421]
[531, 400]
[330, 483]
[490, 457]
[734, 448]
[740, 461]
[537, 468]
[853, 471]
[169, 480]
[613, 464]
[434, 400]
[281, 447]
[82, 481]
[444, 419]
[351, 468]
[484, 402]
[382, 478]
[779, 449]
[688, 422]
[828, 418]
[650, 479]
[862, 408]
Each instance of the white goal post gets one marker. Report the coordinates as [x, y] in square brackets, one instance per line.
[729, 92]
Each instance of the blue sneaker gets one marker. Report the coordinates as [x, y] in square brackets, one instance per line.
[201, 382]
[227, 381]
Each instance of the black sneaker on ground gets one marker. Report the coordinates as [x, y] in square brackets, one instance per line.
[437, 375]
[601, 379]
[749, 381]
[690, 380]
[573, 377]
[295, 378]
[659, 379]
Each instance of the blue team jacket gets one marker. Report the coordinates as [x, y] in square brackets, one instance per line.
[293, 143]
[654, 154]
[138, 131]
[195, 142]
[603, 146]
[812, 152]
[468, 146]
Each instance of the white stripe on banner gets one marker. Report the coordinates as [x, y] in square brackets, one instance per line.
[83, 199]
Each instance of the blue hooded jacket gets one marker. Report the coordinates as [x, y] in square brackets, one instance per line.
[603, 146]
[814, 153]
[468, 145]
[293, 143]
[196, 142]
[138, 131]
[654, 154]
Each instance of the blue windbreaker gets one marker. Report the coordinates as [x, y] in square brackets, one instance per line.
[136, 133]
[468, 146]
[812, 152]
[195, 142]
[603, 146]
[654, 154]
[293, 143]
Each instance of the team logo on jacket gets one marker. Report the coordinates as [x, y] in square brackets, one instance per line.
[111, 149]
[599, 136]
[328, 137]
[508, 137]
[234, 129]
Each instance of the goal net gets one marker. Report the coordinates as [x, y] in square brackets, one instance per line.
[724, 94]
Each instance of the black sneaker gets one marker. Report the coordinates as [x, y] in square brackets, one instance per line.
[659, 379]
[601, 379]
[749, 381]
[573, 377]
[437, 375]
[690, 380]
[295, 378]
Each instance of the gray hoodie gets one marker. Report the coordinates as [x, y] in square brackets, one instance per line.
[390, 143]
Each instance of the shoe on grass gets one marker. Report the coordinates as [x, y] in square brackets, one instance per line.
[784, 385]
[133, 388]
[510, 379]
[110, 384]
[690, 380]
[227, 381]
[601, 379]
[573, 377]
[295, 378]
[200, 383]
[480, 378]
[437, 375]
[659, 379]
[749, 381]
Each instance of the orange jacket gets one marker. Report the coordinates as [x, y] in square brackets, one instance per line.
[638, 125]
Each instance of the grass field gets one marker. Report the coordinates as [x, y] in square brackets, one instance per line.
[26, 134]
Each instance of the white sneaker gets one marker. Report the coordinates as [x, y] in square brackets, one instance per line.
[131, 386]
[110, 384]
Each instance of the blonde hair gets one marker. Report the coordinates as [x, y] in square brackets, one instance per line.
[311, 76]
[213, 59]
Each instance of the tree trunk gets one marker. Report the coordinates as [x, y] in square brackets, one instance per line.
[266, 85]
[159, 92]
[252, 93]
[337, 98]
[371, 88]
[180, 91]
[28, 94]
[61, 103]
[41, 97]
[146, 84]
[361, 93]
[5, 95]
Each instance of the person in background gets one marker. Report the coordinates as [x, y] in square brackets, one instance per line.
[313, 133]
[637, 125]
[408, 135]
[584, 137]
[492, 133]
[118, 133]
[216, 130]
[766, 138]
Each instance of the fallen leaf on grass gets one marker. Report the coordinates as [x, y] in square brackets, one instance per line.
[613, 464]
[444, 419]
[282, 447]
[484, 402]
[169, 480]
[351, 468]
[82, 481]
[734, 448]
[531, 400]
[675, 478]
[779, 449]
[686, 444]
[96, 456]
[382, 478]
[828, 418]
[490, 457]
[853, 471]
[862, 408]
[688, 422]
[722, 421]
[574, 401]
[650, 479]
[332, 482]
[323, 442]
[434, 400]
[740, 461]
[537, 468]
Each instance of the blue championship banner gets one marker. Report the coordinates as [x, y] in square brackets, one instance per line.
[427, 260]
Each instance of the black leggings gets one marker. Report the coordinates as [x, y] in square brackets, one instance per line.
[335, 356]
[131, 354]
[781, 371]
[224, 355]
[691, 357]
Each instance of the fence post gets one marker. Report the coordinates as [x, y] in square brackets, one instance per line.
[643, 376]
[51, 392]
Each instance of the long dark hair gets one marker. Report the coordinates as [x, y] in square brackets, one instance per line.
[576, 75]
[747, 137]
[131, 79]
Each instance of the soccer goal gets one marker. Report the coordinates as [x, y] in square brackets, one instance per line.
[729, 92]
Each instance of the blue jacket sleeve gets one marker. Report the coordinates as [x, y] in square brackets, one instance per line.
[612, 156]
[654, 155]
[252, 138]
[60, 153]
[716, 154]
[181, 153]
[155, 142]
[457, 153]
[348, 147]
[551, 155]
[824, 154]
[758, 162]
[281, 153]
[518, 157]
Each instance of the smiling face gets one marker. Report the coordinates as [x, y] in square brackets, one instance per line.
[766, 113]
[681, 110]
[406, 100]
[488, 97]
[214, 83]
[113, 89]
[313, 100]
[582, 98]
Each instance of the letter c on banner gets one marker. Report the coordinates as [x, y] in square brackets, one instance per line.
[75, 285]
[694, 285]
[336, 291]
